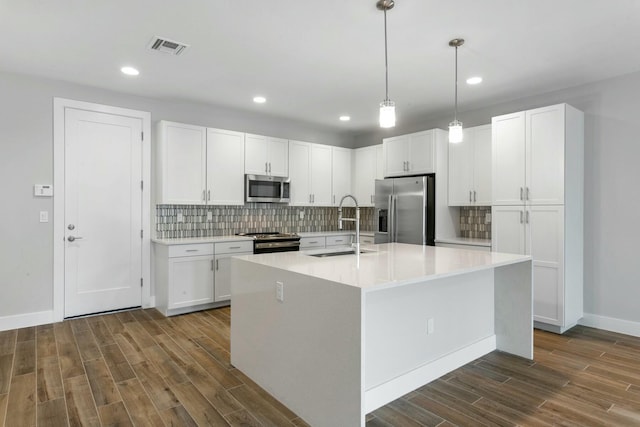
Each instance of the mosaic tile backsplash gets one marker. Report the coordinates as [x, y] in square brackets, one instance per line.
[251, 218]
[475, 222]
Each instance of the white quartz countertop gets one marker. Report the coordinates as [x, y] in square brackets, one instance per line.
[194, 240]
[332, 233]
[465, 241]
[387, 265]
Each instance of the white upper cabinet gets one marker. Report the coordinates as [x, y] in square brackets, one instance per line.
[310, 174]
[470, 168]
[182, 164]
[341, 175]
[508, 154]
[265, 155]
[199, 166]
[410, 154]
[529, 156]
[225, 162]
[367, 167]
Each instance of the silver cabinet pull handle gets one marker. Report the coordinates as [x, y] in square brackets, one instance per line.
[474, 195]
[192, 250]
[334, 199]
[521, 219]
[469, 196]
[204, 196]
[211, 265]
[527, 217]
[309, 198]
[266, 168]
[269, 167]
[526, 197]
[234, 247]
[313, 243]
[208, 195]
[73, 238]
[217, 264]
[521, 193]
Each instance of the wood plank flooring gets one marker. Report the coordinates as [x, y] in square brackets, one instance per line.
[138, 368]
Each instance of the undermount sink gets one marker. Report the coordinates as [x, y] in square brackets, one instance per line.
[323, 253]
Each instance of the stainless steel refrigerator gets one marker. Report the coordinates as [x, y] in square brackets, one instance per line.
[405, 210]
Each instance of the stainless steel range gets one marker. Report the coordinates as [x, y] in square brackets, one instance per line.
[273, 242]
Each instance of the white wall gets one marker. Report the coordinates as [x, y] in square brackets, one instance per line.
[26, 158]
[612, 188]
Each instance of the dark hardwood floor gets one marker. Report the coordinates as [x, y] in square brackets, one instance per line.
[140, 368]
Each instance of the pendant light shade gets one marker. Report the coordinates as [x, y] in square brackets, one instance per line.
[455, 127]
[387, 114]
[387, 107]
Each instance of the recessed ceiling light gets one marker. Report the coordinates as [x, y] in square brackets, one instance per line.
[129, 71]
[474, 80]
[345, 118]
[259, 99]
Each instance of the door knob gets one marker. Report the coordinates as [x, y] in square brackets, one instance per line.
[73, 238]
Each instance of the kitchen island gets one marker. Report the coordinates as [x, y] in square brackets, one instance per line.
[335, 338]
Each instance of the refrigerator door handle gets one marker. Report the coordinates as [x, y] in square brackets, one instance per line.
[392, 218]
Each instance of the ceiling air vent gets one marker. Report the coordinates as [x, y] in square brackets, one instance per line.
[162, 44]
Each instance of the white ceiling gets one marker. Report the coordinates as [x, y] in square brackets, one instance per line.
[316, 60]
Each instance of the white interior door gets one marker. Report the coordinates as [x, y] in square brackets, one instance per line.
[103, 212]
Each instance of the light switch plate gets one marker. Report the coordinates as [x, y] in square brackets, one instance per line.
[44, 216]
[43, 190]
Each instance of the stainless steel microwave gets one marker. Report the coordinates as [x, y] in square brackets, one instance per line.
[266, 189]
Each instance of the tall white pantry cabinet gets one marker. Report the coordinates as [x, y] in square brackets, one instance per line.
[537, 207]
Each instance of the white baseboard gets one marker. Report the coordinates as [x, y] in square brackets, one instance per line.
[391, 390]
[26, 320]
[612, 324]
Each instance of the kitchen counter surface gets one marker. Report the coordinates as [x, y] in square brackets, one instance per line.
[465, 241]
[386, 265]
[333, 233]
[194, 240]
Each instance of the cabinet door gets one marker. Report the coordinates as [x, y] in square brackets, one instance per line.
[421, 156]
[300, 187]
[545, 155]
[364, 174]
[546, 225]
[461, 170]
[321, 175]
[278, 157]
[190, 281]
[255, 155]
[183, 164]
[508, 154]
[379, 162]
[222, 288]
[341, 175]
[508, 229]
[481, 165]
[395, 155]
[225, 164]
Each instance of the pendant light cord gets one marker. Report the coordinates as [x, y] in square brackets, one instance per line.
[455, 113]
[386, 64]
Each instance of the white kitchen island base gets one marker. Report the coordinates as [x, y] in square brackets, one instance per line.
[354, 333]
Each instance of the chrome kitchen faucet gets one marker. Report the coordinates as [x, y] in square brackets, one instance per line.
[356, 220]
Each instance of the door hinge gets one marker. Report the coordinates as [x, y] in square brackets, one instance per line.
[141, 234]
[141, 281]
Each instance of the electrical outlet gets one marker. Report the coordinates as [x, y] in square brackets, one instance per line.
[280, 291]
[180, 218]
[301, 214]
[487, 218]
[430, 326]
[209, 216]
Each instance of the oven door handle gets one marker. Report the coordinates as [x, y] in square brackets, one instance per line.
[274, 245]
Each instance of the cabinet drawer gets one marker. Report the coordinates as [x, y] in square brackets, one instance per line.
[368, 240]
[190, 250]
[341, 240]
[312, 242]
[233, 247]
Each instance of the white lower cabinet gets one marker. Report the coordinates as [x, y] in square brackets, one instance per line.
[312, 242]
[539, 231]
[340, 240]
[194, 277]
[463, 246]
[222, 268]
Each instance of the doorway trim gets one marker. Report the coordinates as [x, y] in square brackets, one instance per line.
[59, 107]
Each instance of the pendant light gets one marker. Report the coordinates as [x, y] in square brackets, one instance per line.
[387, 107]
[455, 127]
